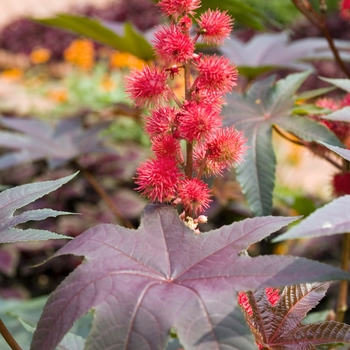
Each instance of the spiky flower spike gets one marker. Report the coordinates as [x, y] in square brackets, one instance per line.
[178, 8]
[215, 26]
[174, 176]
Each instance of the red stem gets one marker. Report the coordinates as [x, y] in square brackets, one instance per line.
[8, 337]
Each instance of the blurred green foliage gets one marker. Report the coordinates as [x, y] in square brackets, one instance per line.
[280, 11]
[131, 41]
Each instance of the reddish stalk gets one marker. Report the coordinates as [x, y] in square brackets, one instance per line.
[306, 9]
[174, 97]
[189, 145]
[334, 49]
[8, 337]
[319, 20]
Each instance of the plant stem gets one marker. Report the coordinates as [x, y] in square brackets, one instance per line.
[189, 144]
[279, 132]
[342, 301]
[319, 21]
[189, 159]
[174, 97]
[201, 169]
[335, 51]
[106, 198]
[331, 161]
[8, 337]
[305, 10]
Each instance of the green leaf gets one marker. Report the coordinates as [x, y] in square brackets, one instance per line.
[264, 105]
[131, 41]
[307, 95]
[309, 109]
[70, 341]
[343, 84]
[256, 174]
[309, 130]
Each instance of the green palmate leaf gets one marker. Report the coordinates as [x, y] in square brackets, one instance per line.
[257, 176]
[21, 317]
[308, 129]
[70, 341]
[130, 41]
[27, 309]
[343, 84]
[263, 106]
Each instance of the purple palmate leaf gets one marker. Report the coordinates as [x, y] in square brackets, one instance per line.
[331, 219]
[268, 51]
[143, 282]
[279, 326]
[40, 141]
[17, 197]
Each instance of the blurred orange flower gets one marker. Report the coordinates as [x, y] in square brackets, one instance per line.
[125, 60]
[80, 52]
[107, 83]
[12, 74]
[59, 96]
[39, 55]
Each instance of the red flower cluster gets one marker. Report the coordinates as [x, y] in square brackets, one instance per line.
[174, 174]
[341, 184]
[344, 6]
